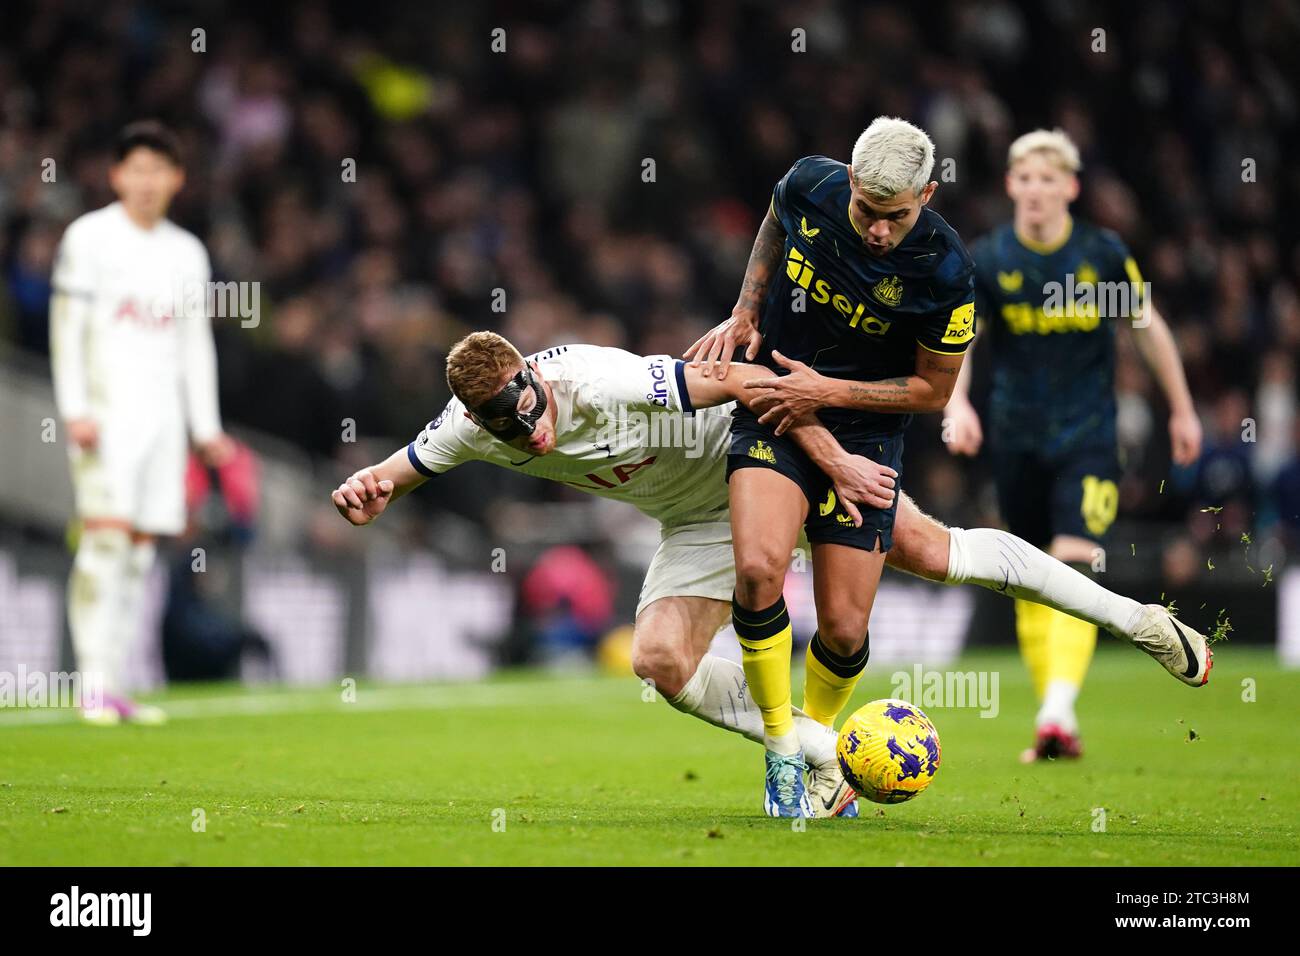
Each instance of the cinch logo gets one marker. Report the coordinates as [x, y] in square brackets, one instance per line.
[800, 270]
[763, 452]
[658, 393]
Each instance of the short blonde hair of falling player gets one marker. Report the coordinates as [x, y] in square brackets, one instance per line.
[477, 364]
[1054, 142]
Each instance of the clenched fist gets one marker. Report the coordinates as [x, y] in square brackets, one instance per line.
[361, 499]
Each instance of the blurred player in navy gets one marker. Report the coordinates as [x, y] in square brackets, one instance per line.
[1049, 289]
[865, 298]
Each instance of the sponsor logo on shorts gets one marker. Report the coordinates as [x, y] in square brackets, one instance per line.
[763, 452]
[827, 506]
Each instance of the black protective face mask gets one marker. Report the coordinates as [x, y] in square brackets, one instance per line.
[505, 404]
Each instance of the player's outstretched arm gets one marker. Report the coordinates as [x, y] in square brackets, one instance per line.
[715, 348]
[782, 400]
[857, 479]
[363, 497]
[1155, 342]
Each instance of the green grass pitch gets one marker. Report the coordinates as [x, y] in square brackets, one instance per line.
[582, 771]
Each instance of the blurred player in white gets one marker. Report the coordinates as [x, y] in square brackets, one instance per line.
[134, 368]
[578, 414]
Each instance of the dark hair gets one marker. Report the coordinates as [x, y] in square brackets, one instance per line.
[150, 134]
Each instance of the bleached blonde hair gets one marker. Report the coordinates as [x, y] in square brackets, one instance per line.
[1059, 147]
[892, 156]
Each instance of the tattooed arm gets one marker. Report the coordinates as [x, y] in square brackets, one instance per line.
[716, 346]
[802, 392]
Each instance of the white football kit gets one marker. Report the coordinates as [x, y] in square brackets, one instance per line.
[625, 429]
[132, 350]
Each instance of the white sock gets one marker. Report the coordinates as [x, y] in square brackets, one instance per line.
[1002, 562]
[1058, 706]
[95, 590]
[131, 608]
[718, 694]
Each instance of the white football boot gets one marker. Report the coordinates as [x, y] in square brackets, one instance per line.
[1183, 652]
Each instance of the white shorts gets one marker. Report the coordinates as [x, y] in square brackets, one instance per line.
[693, 560]
[137, 474]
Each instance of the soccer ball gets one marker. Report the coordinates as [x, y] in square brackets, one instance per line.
[888, 751]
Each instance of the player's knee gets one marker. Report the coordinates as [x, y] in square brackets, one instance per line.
[760, 577]
[844, 636]
[665, 667]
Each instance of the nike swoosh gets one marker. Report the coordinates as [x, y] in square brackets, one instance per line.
[524, 462]
[1006, 579]
[1192, 665]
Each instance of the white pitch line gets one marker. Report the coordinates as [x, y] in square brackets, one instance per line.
[558, 693]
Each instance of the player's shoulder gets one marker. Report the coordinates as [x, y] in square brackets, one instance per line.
[580, 362]
[990, 247]
[94, 223]
[449, 426]
[1099, 241]
[995, 251]
[814, 182]
[185, 239]
[941, 255]
[808, 173]
[573, 362]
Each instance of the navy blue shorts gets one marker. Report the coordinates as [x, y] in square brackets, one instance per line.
[1075, 494]
[755, 446]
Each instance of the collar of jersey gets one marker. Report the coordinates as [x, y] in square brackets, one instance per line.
[1046, 248]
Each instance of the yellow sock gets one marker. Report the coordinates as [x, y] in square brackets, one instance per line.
[1032, 630]
[1069, 648]
[829, 679]
[766, 640]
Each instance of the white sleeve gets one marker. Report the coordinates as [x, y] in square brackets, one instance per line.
[199, 355]
[443, 444]
[646, 383]
[70, 309]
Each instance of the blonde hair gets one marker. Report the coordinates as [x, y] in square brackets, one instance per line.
[477, 365]
[1054, 142]
[892, 156]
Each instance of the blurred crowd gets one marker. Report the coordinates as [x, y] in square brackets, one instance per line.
[516, 161]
